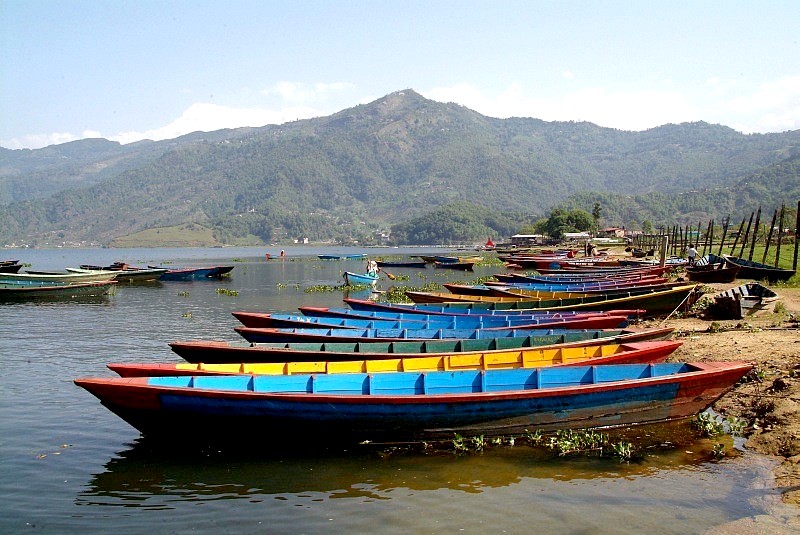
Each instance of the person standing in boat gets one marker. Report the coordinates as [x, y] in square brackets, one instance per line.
[372, 268]
[691, 254]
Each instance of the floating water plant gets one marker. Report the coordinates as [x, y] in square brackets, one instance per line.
[225, 291]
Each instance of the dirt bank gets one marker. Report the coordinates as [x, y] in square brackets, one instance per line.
[770, 400]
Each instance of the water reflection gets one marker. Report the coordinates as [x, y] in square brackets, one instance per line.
[150, 470]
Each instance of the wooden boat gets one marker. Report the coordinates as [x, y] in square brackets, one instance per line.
[654, 303]
[574, 285]
[333, 334]
[10, 266]
[710, 273]
[14, 291]
[410, 264]
[355, 256]
[741, 301]
[125, 273]
[609, 292]
[271, 320]
[584, 271]
[576, 278]
[357, 407]
[356, 279]
[227, 352]
[65, 277]
[642, 352]
[193, 273]
[474, 309]
[749, 269]
[459, 266]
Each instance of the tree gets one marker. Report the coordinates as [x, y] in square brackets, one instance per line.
[597, 210]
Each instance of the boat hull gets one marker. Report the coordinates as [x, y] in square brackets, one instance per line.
[413, 406]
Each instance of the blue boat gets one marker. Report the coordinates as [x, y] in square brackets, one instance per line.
[334, 334]
[467, 309]
[356, 279]
[193, 273]
[416, 315]
[355, 407]
[357, 256]
[272, 320]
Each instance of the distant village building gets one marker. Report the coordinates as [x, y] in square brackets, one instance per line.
[577, 236]
[526, 240]
[611, 232]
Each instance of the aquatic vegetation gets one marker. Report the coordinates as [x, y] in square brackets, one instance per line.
[709, 425]
[226, 291]
[183, 294]
[187, 314]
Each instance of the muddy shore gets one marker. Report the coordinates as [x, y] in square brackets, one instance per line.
[770, 400]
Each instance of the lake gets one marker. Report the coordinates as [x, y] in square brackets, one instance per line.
[69, 465]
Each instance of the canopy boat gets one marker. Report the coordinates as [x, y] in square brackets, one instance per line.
[749, 269]
[193, 273]
[357, 279]
[65, 277]
[642, 352]
[357, 407]
[742, 301]
[333, 334]
[227, 352]
[410, 264]
[125, 273]
[256, 319]
[473, 309]
[13, 291]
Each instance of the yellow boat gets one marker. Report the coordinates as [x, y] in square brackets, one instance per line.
[630, 353]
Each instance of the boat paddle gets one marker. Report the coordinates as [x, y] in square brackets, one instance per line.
[391, 277]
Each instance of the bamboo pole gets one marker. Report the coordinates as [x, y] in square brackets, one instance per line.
[725, 224]
[755, 234]
[769, 236]
[780, 235]
[746, 234]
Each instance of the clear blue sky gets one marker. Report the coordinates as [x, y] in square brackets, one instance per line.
[129, 70]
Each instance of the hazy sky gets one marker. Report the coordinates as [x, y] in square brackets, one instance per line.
[136, 69]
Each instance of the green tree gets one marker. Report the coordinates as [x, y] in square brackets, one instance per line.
[597, 210]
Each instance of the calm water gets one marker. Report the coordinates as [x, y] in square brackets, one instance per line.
[69, 465]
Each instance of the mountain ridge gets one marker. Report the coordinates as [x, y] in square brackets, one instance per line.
[361, 170]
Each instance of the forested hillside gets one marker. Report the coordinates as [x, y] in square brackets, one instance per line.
[357, 173]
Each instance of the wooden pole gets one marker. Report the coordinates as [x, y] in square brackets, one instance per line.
[746, 234]
[738, 235]
[755, 234]
[780, 235]
[796, 236]
[725, 223]
[708, 233]
[769, 236]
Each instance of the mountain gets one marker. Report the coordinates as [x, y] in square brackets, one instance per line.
[360, 171]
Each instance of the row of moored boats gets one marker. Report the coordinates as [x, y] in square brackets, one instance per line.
[89, 279]
[523, 354]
